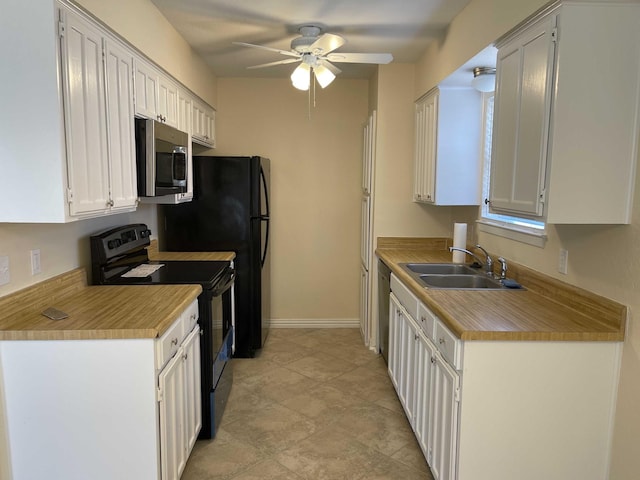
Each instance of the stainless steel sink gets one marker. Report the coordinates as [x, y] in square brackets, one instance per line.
[465, 282]
[440, 268]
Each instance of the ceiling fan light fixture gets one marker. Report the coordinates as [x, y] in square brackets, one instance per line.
[300, 78]
[324, 75]
[484, 79]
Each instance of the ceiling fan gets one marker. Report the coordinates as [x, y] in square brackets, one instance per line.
[313, 49]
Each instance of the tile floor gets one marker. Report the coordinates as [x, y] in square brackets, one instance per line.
[313, 404]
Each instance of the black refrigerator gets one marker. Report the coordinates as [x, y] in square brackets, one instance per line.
[230, 212]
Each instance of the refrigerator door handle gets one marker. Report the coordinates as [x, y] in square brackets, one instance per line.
[266, 242]
[263, 179]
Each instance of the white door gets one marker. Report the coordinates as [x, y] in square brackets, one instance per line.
[171, 383]
[120, 124]
[84, 105]
[445, 391]
[193, 399]
[167, 101]
[146, 88]
[422, 403]
[521, 121]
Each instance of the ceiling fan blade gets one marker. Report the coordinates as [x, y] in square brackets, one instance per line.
[327, 43]
[379, 58]
[272, 64]
[282, 52]
[331, 67]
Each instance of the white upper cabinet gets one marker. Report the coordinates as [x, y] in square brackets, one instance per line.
[203, 124]
[120, 126]
[85, 115]
[565, 134]
[156, 94]
[447, 152]
[521, 119]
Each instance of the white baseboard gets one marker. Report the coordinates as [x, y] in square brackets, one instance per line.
[315, 323]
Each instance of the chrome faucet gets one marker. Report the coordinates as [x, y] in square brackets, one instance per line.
[451, 249]
[488, 264]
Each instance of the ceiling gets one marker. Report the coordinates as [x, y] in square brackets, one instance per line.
[403, 28]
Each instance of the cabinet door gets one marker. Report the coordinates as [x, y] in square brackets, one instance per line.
[171, 382]
[193, 399]
[394, 339]
[84, 104]
[444, 403]
[364, 303]
[426, 135]
[425, 351]
[146, 88]
[120, 125]
[167, 101]
[365, 231]
[521, 121]
[184, 112]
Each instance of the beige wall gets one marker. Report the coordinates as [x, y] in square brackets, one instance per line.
[603, 259]
[142, 24]
[315, 186]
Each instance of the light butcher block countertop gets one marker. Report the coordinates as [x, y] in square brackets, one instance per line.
[159, 256]
[548, 310]
[95, 312]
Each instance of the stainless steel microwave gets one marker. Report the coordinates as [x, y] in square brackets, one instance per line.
[161, 159]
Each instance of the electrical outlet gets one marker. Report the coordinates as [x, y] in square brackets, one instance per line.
[5, 277]
[563, 259]
[35, 262]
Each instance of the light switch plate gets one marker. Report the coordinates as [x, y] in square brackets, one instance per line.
[35, 262]
[5, 276]
[563, 259]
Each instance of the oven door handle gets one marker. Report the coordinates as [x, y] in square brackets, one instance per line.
[228, 277]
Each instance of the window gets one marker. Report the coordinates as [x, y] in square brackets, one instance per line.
[516, 228]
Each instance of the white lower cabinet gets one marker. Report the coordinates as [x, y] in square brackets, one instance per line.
[180, 406]
[102, 409]
[428, 389]
[501, 410]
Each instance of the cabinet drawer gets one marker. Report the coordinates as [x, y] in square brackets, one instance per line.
[427, 320]
[404, 295]
[190, 316]
[449, 345]
[167, 345]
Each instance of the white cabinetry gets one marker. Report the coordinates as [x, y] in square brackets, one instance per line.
[468, 400]
[564, 140]
[366, 227]
[79, 88]
[179, 406]
[428, 387]
[96, 77]
[156, 94]
[103, 409]
[447, 155]
[203, 124]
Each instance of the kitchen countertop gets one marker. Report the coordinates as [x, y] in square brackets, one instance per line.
[156, 255]
[548, 310]
[95, 312]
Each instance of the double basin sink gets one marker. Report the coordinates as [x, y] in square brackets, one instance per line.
[453, 276]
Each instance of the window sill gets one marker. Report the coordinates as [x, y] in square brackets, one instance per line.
[537, 238]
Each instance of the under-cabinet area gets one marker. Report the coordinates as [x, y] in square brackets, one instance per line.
[488, 374]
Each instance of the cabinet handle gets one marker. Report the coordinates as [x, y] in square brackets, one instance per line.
[193, 316]
[423, 319]
[174, 341]
[415, 336]
[110, 203]
[487, 201]
[433, 359]
[441, 341]
[185, 356]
